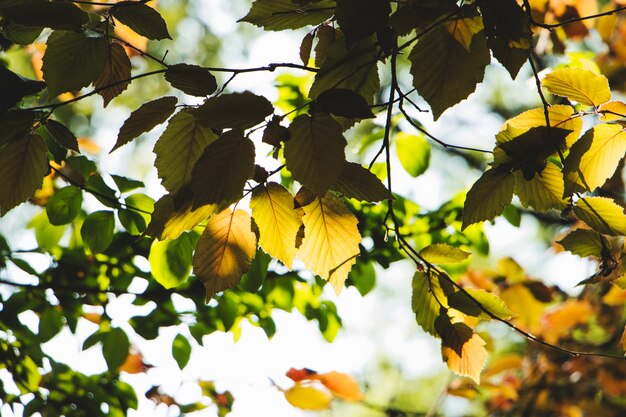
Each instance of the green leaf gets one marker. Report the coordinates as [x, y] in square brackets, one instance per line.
[441, 253]
[425, 300]
[181, 350]
[64, 205]
[62, 135]
[101, 191]
[145, 118]
[581, 85]
[19, 34]
[23, 165]
[583, 243]
[463, 302]
[359, 19]
[50, 324]
[191, 79]
[142, 19]
[363, 277]
[287, 14]
[444, 72]
[488, 197]
[170, 260]
[97, 230]
[114, 79]
[222, 170]
[349, 68]
[413, 152]
[135, 217]
[512, 215]
[125, 184]
[343, 102]
[315, 153]
[544, 191]
[602, 215]
[357, 182]
[115, 346]
[179, 148]
[594, 158]
[73, 60]
[508, 33]
[42, 13]
[234, 111]
[47, 235]
[255, 277]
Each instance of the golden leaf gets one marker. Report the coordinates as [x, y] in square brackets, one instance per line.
[341, 385]
[308, 396]
[463, 30]
[583, 86]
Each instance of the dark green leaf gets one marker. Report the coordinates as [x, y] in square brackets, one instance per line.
[50, 323]
[191, 79]
[343, 102]
[359, 183]
[97, 230]
[15, 124]
[418, 15]
[181, 350]
[115, 346]
[43, 13]
[286, 14]
[19, 34]
[255, 277]
[24, 266]
[99, 189]
[583, 243]
[359, 19]
[142, 19]
[81, 165]
[15, 87]
[235, 111]
[512, 215]
[145, 118]
[92, 340]
[73, 60]
[64, 205]
[62, 135]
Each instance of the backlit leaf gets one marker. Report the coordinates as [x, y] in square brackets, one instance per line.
[170, 220]
[191, 79]
[145, 118]
[488, 196]
[426, 299]
[179, 148]
[278, 221]
[359, 183]
[97, 231]
[594, 158]
[519, 299]
[463, 30]
[315, 153]
[305, 48]
[444, 72]
[286, 14]
[170, 260]
[341, 385]
[62, 135]
[441, 253]
[64, 205]
[580, 85]
[544, 191]
[583, 242]
[224, 251]
[73, 60]
[308, 397]
[413, 152]
[462, 349]
[331, 239]
[236, 111]
[141, 18]
[560, 320]
[115, 74]
[612, 110]
[359, 19]
[602, 214]
[23, 164]
[181, 350]
[222, 170]
[466, 302]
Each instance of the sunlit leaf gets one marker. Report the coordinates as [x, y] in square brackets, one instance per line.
[583, 242]
[413, 152]
[278, 221]
[64, 205]
[297, 375]
[357, 182]
[331, 239]
[170, 220]
[181, 350]
[224, 251]
[427, 299]
[560, 320]
[341, 385]
[462, 349]
[308, 396]
[170, 260]
[463, 30]
[97, 231]
[179, 148]
[544, 191]
[612, 110]
[582, 86]
[602, 214]
[488, 196]
[441, 253]
[467, 302]
[519, 299]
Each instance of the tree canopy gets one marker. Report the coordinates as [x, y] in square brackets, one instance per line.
[266, 198]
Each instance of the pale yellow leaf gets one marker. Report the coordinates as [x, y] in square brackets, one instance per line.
[602, 215]
[224, 251]
[331, 239]
[278, 221]
[544, 191]
[308, 397]
[341, 385]
[169, 221]
[463, 30]
[441, 253]
[582, 86]
[595, 157]
[612, 110]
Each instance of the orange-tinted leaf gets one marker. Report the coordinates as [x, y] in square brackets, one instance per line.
[341, 385]
[297, 375]
[462, 349]
[560, 321]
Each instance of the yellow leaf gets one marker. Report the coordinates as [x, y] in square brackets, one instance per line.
[331, 239]
[560, 116]
[521, 301]
[602, 215]
[441, 253]
[169, 222]
[224, 251]
[278, 221]
[462, 349]
[341, 385]
[512, 361]
[560, 320]
[308, 397]
[544, 191]
[463, 30]
[582, 86]
[594, 157]
[612, 110]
